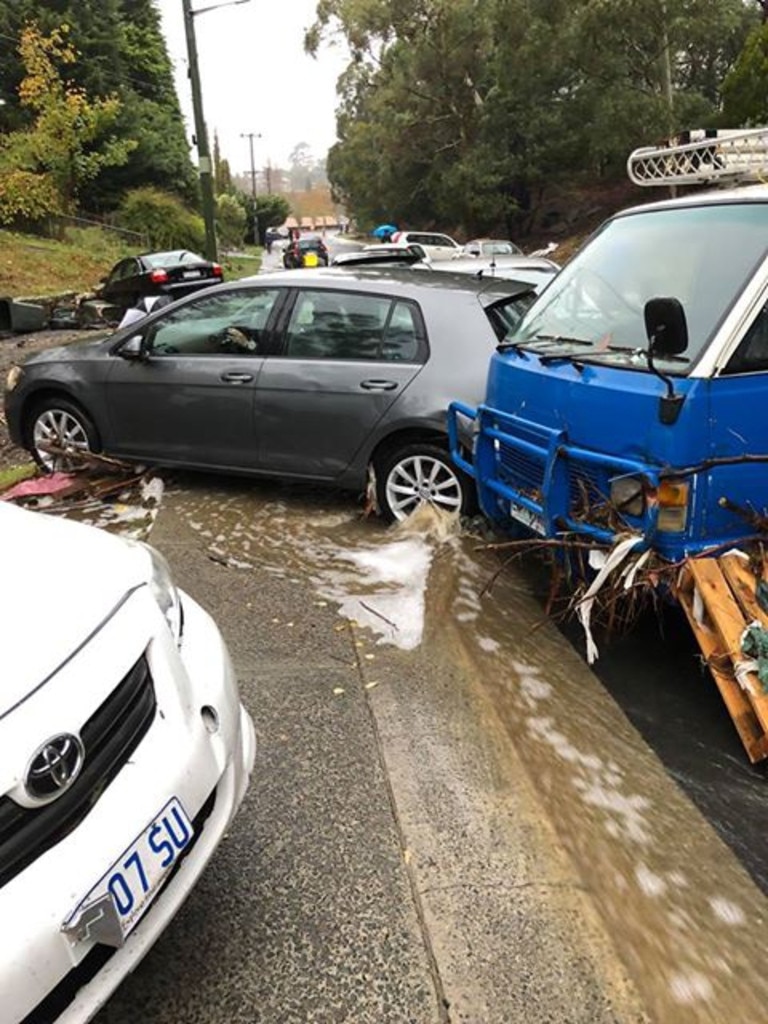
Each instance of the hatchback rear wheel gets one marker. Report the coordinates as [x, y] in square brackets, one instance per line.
[57, 426]
[420, 473]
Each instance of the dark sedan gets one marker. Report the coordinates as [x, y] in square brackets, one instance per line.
[175, 274]
[307, 251]
[322, 376]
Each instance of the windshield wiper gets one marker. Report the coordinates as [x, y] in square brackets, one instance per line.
[561, 337]
[529, 345]
[640, 353]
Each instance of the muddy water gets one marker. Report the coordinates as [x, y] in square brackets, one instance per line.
[686, 919]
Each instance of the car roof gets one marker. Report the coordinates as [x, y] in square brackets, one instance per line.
[739, 194]
[409, 282]
[505, 261]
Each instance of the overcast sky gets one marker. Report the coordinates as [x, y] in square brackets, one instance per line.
[256, 77]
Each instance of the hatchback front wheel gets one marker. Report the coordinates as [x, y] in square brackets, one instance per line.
[420, 473]
[57, 427]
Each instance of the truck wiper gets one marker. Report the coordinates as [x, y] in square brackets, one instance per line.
[561, 357]
[562, 337]
[634, 351]
[529, 345]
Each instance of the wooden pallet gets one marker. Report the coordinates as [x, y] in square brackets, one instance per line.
[726, 586]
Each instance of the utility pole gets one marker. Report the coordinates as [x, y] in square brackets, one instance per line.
[251, 136]
[201, 136]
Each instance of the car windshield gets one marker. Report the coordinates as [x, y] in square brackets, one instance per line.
[702, 255]
[499, 249]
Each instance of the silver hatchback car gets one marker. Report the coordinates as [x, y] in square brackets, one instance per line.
[321, 376]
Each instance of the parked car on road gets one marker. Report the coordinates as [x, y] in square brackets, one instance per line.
[436, 246]
[175, 274]
[318, 375]
[124, 755]
[491, 247]
[308, 250]
[536, 271]
[384, 254]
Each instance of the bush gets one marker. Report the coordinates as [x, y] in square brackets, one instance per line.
[230, 222]
[163, 218]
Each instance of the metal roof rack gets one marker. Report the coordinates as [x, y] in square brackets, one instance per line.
[702, 157]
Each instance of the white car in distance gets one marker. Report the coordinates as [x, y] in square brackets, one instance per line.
[437, 246]
[124, 755]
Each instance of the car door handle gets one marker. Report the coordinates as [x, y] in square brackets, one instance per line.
[378, 385]
[236, 378]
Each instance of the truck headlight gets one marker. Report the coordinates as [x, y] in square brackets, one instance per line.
[672, 497]
[628, 495]
[13, 378]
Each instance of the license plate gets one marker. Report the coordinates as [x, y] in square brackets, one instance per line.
[191, 273]
[123, 894]
[530, 519]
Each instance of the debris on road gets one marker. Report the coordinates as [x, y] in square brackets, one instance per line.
[101, 491]
[719, 597]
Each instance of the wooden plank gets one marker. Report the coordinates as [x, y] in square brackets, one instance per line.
[736, 701]
[728, 620]
[742, 582]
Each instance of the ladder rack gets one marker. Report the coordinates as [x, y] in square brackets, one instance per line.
[702, 157]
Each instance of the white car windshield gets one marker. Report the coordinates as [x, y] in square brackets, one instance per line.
[702, 255]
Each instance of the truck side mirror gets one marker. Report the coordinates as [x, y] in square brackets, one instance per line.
[665, 326]
[667, 333]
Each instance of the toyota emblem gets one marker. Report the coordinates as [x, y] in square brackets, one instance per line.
[54, 767]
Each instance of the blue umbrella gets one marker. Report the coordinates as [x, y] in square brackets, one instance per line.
[384, 229]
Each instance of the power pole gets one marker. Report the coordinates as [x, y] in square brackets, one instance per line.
[201, 136]
[251, 136]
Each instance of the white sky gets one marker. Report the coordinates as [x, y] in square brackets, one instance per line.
[256, 77]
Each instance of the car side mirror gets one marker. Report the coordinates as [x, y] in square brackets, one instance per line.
[666, 326]
[132, 348]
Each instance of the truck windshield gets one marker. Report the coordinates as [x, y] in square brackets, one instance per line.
[702, 255]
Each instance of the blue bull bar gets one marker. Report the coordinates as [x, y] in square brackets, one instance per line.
[552, 467]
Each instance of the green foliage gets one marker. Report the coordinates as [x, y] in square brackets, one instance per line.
[121, 51]
[745, 89]
[230, 221]
[270, 209]
[44, 168]
[162, 219]
[464, 113]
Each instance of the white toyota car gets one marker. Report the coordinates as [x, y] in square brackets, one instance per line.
[124, 754]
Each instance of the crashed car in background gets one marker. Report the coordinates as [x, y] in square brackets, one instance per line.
[174, 274]
[124, 755]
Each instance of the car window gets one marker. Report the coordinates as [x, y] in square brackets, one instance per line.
[348, 325]
[124, 269]
[404, 336]
[507, 314]
[443, 240]
[228, 323]
[752, 354]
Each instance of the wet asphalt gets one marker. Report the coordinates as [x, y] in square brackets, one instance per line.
[468, 831]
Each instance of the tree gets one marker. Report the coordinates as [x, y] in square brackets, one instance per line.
[230, 221]
[466, 113]
[43, 169]
[745, 89]
[121, 51]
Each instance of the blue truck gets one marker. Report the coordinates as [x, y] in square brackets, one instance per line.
[632, 399]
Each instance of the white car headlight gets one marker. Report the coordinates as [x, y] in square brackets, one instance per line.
[163, 589]
[166, 594]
